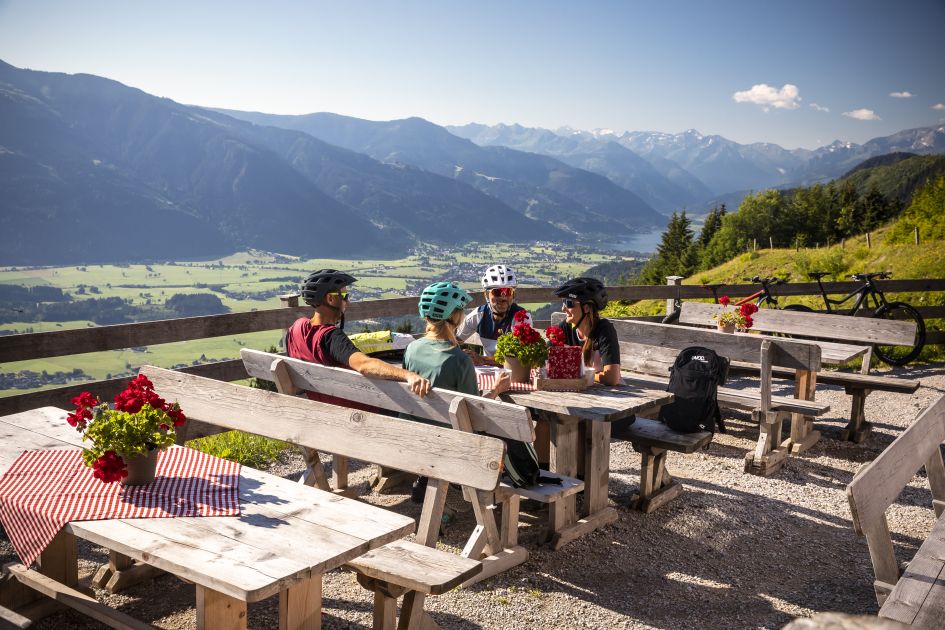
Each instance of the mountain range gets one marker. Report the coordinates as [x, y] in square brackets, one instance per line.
[94, 171]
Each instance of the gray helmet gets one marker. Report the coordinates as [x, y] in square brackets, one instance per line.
[322, 282]
[589, 290]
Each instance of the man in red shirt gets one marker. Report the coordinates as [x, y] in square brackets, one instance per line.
[320, 339]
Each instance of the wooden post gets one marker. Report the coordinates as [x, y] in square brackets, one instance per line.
[869, 245]
[917, 235]
[843, 242]
[754, 244]
[289, 300]
[770, 242]
[672, 281]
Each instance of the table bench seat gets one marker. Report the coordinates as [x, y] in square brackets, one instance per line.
[416, 567]
[543, 492]
[857, 386]
[652, 439]
[919, 595]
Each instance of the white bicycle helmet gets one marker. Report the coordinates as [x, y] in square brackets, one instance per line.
[498, 277]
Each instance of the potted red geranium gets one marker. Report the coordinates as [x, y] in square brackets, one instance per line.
[522, 349]
[126, 438]
[740, 318]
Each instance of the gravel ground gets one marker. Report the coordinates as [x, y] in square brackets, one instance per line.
[733, 551]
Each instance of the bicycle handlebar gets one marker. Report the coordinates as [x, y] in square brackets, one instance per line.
[882, 275]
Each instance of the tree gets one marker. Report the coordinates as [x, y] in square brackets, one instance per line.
[713, 221]
[675, 255]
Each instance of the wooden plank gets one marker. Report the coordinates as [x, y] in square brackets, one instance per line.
[61, 396]
[920, 592]
[583, 526]
[74, 599]
[417, 567]
[847, 379]
[544, 493]
[431, 451]
[597, 403]
[596, 466]
[814, 325]
[793, 354]
[494, 417]
[564, 445]
[655, 434]
[877, 484]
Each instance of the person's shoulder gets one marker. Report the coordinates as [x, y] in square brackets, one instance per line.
[605, 325]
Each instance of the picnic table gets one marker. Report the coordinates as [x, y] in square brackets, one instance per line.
[285, 538]
[595, 407]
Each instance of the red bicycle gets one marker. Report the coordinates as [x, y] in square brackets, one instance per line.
[762, 298]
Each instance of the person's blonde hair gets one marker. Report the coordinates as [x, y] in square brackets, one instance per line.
[443, 329]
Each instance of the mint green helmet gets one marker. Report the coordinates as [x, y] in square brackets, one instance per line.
[440, 299]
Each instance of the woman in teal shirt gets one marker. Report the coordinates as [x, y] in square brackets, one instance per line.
[437, 356]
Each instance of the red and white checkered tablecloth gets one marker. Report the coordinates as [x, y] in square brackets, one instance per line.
[486, 381]
[44, 490]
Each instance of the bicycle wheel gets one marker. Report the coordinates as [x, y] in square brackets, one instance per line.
[900, 355]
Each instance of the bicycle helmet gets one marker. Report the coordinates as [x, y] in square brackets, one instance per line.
[440, 299]
[498, 277]
[584, 290]
[322, 282]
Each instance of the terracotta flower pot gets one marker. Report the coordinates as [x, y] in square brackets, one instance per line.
[141, 469]
[726, 328]
[520, 373]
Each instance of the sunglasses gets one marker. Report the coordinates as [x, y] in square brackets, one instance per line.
[342, 294]
[570, 303]
[504, 292]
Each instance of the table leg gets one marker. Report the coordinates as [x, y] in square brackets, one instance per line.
[596, 466]
[564, 446]
[802, 437]
[216, 611]
[300, 605]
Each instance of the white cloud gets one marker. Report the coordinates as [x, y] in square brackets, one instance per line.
[939, 106]
[901, 94]
[820, 108]
[862, 114]
[769, 96]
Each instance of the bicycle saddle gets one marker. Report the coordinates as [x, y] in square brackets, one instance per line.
[817, 275]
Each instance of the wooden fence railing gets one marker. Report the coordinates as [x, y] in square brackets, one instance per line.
[69, 342]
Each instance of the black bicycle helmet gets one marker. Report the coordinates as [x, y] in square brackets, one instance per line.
[322, 282]
[584, 290]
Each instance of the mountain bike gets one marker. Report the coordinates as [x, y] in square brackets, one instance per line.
[762, 298]
[871, 302]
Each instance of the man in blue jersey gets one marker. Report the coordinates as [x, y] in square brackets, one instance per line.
[496, 317]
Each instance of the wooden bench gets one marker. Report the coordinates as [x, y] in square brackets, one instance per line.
[647, 349]
[492, 417]
[652, 439]
[413, 570]
[918, 596]
[859, 330]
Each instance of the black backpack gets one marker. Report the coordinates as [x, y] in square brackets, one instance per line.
[694, 381]
[520, 466]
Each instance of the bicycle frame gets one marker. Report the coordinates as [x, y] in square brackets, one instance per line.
[762, 296]
[864, 291]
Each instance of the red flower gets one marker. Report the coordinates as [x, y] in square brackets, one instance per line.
[85, 399]
[520, 316]
[724, 300]
[555, 335]
[109, 467]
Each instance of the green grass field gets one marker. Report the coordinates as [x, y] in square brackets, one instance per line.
[255, 272]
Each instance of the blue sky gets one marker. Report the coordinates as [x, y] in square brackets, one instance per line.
[805, 72]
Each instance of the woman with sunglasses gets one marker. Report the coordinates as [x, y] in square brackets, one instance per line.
[437, 355]
[584, 298]
[497, 316]
[320, 339]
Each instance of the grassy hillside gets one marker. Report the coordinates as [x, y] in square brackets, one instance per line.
[904, 260]
[898, 180]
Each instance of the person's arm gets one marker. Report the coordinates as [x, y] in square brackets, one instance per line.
[609, 347]
[468, 327]
[502, 383]
[345, 353]
[375, 368]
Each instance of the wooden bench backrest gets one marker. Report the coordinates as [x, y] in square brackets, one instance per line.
[493, 417]
[796, 355]
[879, 483]
[813, 325]
[463, 458]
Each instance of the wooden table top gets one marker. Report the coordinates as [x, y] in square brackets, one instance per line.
[286, 531]
[598, 402]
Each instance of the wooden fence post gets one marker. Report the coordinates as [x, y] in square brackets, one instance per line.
[672, 281]
[289, 300]
[754, 244]
[843, 242]
[770, 243]
[869, 245]
[917, 235]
